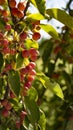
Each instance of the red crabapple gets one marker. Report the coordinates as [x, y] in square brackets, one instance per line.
[5, 113]
[23, 36]
[25, 53]
[36, 36]
[12, 3]
[21, 6]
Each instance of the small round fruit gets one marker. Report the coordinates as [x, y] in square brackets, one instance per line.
[2, 2]
[5, 13]
[20, 14]
[33, 58]
[32, 64]
[36, 36]
[25, 53]
[14, 11]
[18, 124]
[5, 43]
[8, 27]
[32, 72]
[33, 52]
[23, 36]
[5, 113]
[8, 106]
[30, 78]
[12, 3]
[4, 102]
[21, 6]
[27, 84]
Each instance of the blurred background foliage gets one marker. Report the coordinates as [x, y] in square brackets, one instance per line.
[57, 63]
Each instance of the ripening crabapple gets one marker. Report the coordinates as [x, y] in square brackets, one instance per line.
[2, 2]
[4, 102]
[5, 43]
[32, 64]
[18, 124]
[33, 52]
[33, 58]
[6, 50]
[36, 36]
[27, 84]
[32, 72]
[4, 13]
[5, 113]
[12, 3]
[8, 27]
[8, 106]
[23, 36]
[14, 11]
[20, 14]
[25, 53]
[30, 78]
[21, 6]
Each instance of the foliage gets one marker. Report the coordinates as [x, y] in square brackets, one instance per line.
[36, 74]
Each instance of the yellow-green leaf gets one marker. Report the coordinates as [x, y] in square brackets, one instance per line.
[40, 5]
[50, 30]
[35, 16]
[61, 16]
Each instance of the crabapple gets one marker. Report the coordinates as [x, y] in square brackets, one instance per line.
[5, 113]
[27, 84]
[8, 27]
[8, 106]
[32, 72]
[22, 36]
[36, 36]
[21, 6]
[2, 2]
[32, 64]
[20, 14]
[12, 3]
[4, 102]
[30, 78]
[25, 53]
[14, 11]
[18, 124]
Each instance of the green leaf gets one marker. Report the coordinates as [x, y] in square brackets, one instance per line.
[40, 5]
[14, 81]
[30, 43]
[35, 16]
[2, 23]
[32, 110]
[61, 16]
[19, 61]
[42, 121]
[50, 30]
[1, 84]
[32, 93]
[1, 61]
[53, 86]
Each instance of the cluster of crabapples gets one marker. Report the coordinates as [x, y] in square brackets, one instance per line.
[12, 43]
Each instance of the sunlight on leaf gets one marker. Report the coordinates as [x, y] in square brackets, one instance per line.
[61, 16]
[53, 86]
[50, 30]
